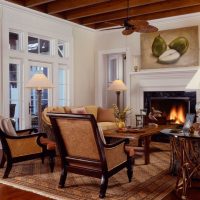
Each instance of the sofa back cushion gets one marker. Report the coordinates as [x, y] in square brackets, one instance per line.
[105, 115]
[92, 109]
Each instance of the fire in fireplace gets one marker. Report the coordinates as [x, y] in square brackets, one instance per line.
[177, 115]
[173, 105]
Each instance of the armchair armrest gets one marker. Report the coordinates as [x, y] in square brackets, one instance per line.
[27, 131]
[111, 150]
[125, 141]
[24, 145]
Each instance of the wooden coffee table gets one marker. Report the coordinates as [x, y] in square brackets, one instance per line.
[143, 134]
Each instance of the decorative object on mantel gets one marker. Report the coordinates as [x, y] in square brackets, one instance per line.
[170, 48]
[118, 86]
[120, 116]
[194, 84]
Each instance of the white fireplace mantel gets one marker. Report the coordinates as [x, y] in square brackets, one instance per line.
[168, 79]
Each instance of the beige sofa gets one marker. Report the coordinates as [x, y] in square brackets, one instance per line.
[105, 117]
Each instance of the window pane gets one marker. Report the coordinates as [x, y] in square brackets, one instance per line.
[14, 93]
[13, 72]
[44, 47]
[14, 41]
[61, 49]
[32, 44]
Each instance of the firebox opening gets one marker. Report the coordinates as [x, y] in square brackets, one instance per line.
[174, 105]
[174, 109]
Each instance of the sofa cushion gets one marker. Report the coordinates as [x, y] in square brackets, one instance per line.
[105, 115]
[107, 125]
[80, 110]
[92, 109]
[67, 109]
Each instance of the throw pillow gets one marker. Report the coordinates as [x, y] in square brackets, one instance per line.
[105, 115]
[80, 110]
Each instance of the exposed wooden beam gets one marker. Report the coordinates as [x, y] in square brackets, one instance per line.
[133, 12]
[20, 2]
[61, 5]
[106, 7]
[33, 3]
[158, 15]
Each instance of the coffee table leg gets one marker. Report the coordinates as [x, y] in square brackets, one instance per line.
[146, 149]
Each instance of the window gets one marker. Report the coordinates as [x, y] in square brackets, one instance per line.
[14, 92]
[38, 46]
[63, 87]
[14, 41]
[61, 49]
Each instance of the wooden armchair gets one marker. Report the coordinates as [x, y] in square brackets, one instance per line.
[83, 151]
[22, 145]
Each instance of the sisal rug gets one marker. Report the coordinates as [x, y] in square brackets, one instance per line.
[150, 182]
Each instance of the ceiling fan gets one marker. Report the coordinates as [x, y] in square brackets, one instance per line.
[130, 26]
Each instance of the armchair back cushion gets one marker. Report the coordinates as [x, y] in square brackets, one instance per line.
[7, 127]
[78, 132]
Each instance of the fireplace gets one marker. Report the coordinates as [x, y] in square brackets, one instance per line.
[174, 105]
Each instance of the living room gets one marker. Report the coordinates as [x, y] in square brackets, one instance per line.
[76, 61]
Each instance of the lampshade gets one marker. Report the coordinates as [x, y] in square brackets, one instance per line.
[117, 85]
[194, 83]
[39, 81]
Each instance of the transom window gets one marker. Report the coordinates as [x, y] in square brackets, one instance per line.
[38, 46]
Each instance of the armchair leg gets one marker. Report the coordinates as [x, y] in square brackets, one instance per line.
[130, 162]
[103, 186]
[8, 169]
[63, 177]
[3, 160]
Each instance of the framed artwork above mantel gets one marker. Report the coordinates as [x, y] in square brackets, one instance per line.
[170, 48]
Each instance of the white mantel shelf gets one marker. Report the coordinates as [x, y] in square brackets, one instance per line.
[165, 71]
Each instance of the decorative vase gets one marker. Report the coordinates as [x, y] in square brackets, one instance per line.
[120, 123]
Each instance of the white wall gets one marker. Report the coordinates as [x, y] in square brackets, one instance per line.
[84, 54]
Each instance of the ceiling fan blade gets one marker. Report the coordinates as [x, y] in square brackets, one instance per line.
[112, 28]
[146, 29]
[138, 22]
[127, 31]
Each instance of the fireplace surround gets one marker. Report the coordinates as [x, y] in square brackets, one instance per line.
[160, 80]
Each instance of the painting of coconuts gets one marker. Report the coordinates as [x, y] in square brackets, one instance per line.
[170, 48]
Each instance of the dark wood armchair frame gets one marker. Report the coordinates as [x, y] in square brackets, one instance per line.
[95, 168]
[7, 156]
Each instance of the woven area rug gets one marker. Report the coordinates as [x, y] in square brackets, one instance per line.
[150, 181]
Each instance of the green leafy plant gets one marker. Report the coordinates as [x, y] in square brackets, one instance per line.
[121, 115]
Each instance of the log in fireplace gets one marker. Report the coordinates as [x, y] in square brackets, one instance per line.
[174, 105]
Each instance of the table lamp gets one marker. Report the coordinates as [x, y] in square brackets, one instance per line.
[39, 81]
[118, 86]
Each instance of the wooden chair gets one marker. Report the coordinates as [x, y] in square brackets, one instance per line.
[23, 145]
[83, 151]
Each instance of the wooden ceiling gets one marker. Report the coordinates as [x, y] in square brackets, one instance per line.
[99, 14]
